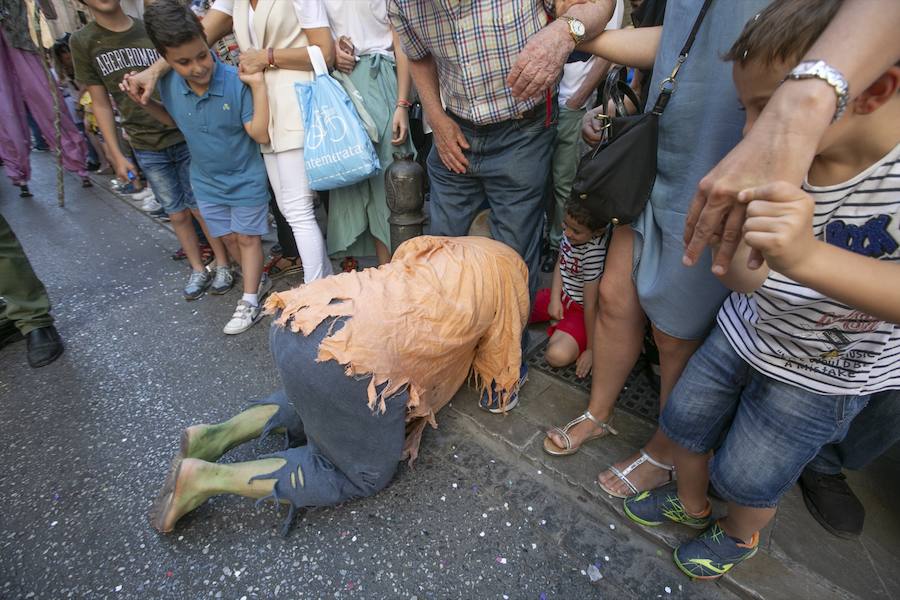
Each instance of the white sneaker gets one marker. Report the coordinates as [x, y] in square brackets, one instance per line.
[142, 195]
[150, 204]
[244, 317]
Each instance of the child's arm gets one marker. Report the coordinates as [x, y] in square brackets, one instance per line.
[258, 127]
[106, 121]
[159, 112]
[555, 309]
[779, 225]
[591, 292]
[740, 278]
[630, 47]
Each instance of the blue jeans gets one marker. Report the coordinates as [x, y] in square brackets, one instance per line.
[509, 164]
[872, 433]
[771, 429]
[168, 172]
[342, 448]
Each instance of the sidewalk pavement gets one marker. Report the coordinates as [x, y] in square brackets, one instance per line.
[90, 436]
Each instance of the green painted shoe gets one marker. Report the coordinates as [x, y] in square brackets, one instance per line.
[654, 507]
[713, 553]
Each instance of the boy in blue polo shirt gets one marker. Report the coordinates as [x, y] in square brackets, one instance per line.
[223, 121]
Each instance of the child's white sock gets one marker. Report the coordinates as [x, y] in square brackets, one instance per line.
[251, 299]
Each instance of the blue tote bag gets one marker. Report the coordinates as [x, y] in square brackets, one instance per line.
[337, 150]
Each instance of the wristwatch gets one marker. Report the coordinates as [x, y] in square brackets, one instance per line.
[576, 29]
[819, 69]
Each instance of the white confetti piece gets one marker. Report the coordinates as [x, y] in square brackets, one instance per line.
[443, 498]
[484, 515]
[118, 588]
[543, 521]
[594, 573]
[455, 486]
[53, 524]
[530, 509]
[539, 471]
[534, 546]
[606, 558]
[508, 524]
[353, 539]
[611, 526]
[668, 590]
[481, 534]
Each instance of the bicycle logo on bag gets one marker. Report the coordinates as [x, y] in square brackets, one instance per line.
[326, 123]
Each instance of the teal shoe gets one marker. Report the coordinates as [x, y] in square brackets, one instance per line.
[713, 553]
[654, 507]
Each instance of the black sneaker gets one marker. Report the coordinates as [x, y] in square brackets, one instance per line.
[549, 262]
[832, 503]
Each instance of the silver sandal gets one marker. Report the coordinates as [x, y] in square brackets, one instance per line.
[551, 448]
[623, 475]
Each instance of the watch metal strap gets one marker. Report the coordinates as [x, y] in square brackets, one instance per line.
[819, 69]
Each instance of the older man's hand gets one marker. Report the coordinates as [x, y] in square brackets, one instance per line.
[541, 61]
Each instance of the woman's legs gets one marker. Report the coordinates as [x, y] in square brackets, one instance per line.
[287, 175]
[618, 336]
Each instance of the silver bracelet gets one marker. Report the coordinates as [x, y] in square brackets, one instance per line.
[819, 69]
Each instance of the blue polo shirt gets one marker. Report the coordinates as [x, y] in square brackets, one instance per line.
[226, 166]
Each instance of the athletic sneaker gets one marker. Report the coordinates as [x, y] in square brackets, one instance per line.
[713, 553]
[244, 317]
[150, 204]
[197, 284]
[654, 507]
[223, 281]
[142, 195]
[161, 215]
[490, 401]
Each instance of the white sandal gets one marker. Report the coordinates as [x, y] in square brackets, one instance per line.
[551, 448]
[623, 475]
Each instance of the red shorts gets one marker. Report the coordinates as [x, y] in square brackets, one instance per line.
[571, 323]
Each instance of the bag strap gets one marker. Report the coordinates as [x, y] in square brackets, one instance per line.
[667, 85]
[617, 89]
[317, 60]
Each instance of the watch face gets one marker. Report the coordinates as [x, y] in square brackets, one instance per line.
[577, 27]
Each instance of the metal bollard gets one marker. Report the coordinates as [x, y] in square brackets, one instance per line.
[404, 182]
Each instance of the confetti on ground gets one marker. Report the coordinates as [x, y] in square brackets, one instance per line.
[508, 524]
[606, 558]
[534, 546]
[484, 515]
[594, 574]
[611, 526]
[169, 573]
[118, 588]
[443, 498]
[53, 524]
[481, 534]
[539, 471]
[530, 509]
[543, 596]
[455, 485]
[543, 521]
[500, 560]
[668, 590]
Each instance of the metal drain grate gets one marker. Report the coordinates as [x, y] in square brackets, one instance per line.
[640, 396]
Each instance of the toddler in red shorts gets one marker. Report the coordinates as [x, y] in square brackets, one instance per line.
[571, 301]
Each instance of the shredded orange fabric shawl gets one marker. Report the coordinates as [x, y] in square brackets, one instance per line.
[441, 309]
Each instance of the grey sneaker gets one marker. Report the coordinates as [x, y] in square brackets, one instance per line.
[197, 284]
[223, 281]
[265, 286]
[244, 317]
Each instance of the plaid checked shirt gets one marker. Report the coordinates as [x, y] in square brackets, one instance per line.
[474, 43]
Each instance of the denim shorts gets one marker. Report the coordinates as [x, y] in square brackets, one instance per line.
[771, 429]
[222, 219]
[168, 172]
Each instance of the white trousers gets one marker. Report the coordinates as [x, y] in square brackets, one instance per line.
[287, 174]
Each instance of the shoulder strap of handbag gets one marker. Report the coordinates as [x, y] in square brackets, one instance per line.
[667, 85]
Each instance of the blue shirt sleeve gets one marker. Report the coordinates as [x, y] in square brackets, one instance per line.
[246, 103]
[165, 87]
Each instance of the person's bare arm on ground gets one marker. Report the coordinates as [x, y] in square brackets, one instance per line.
[140, 85]
[540, 62]
[585, 361]
[861, 42]
[633, 47]
[106, 120]
[448, 137]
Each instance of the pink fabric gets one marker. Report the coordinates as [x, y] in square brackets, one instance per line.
[22, 79]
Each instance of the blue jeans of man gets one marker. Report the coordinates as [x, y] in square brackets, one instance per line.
[871, 434]
[509, 163]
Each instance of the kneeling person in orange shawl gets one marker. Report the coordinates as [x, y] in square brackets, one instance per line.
[366, 360]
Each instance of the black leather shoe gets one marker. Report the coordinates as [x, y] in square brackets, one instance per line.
[44, 346]
[832, 503]
[549, 262]
[9, 334]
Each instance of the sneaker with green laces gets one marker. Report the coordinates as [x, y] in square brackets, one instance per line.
[654, 507]
[713, 553]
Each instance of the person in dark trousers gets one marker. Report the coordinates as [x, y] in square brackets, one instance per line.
[26, 312]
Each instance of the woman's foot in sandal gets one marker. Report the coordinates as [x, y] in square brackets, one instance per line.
[563, 441]
[637, 473]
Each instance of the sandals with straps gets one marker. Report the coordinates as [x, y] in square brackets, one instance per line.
[551, 448]
[623, 475]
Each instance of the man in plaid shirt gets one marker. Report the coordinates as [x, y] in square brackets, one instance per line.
[492, 62]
